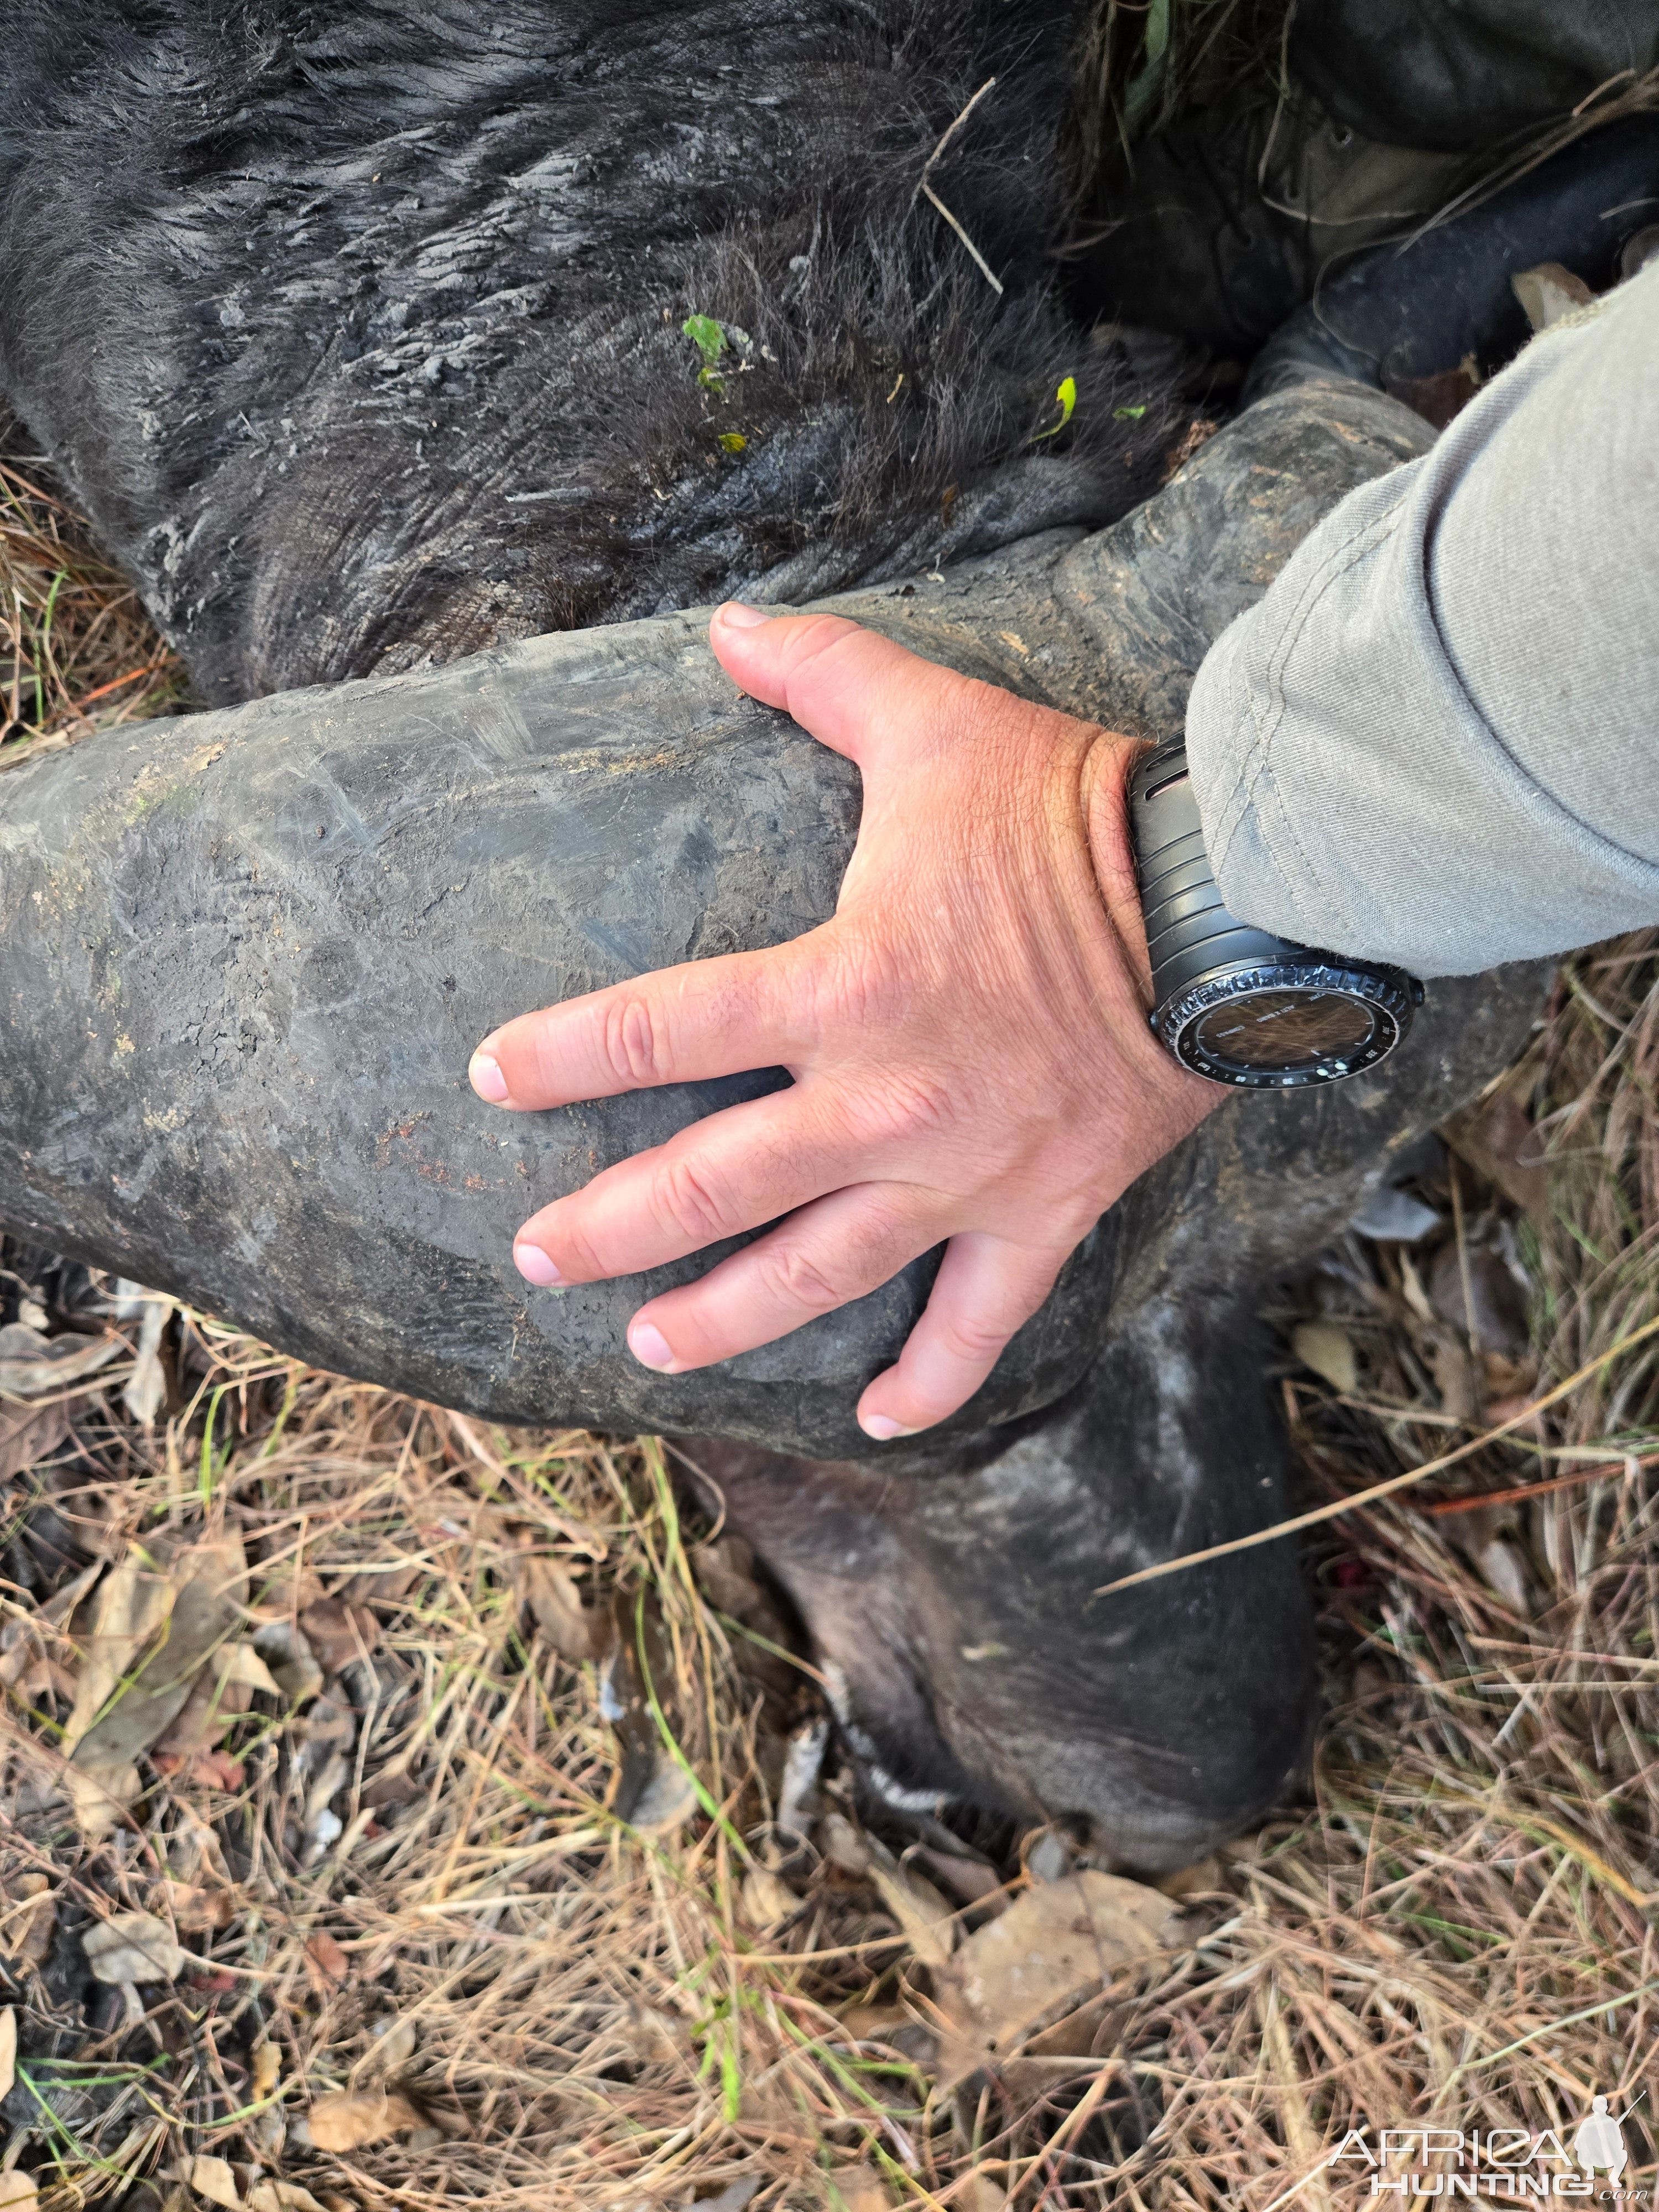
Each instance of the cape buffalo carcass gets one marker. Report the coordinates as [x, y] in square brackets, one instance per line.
[439, 358]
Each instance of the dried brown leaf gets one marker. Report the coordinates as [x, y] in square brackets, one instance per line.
[32, 1365]
[215, 1770]
[291, 1662]
[30, 1921]
[1498, 1299]
[766, 1898]
[126, 1701]
[29, 1434]
[1503, 1570]
[197, 1724]
[147, 1389]
[1092, 2026]
[872, 2023]
[199, 1911]
[338, 1633]
[971, 1881]
[40, 1677]
[267, 2070]
[1496, 1136]
[844, 1845]
[725, 1568]
[735, 2196]
[920, 1911]
[1329, 1350]
[575, 1631]
[25, 1643]
[1441, 397]
[1204, 1874]
[279, 2195]
[350, 2118]
[856, 2188]
[393, 2043]
[240, 1665]
[132, 1947]
[389, 1790]
[325, 1962]
[1059, 1942]
[212, 2178]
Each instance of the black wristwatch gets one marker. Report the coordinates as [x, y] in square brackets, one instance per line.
[1238, 1004]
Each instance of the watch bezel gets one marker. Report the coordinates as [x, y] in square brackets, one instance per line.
[1387, 994]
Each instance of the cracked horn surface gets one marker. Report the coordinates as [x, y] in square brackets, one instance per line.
[244, 955]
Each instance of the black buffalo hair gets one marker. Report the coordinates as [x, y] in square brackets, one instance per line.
[358, 327]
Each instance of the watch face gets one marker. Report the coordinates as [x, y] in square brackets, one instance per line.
[1283, 1024]
[1285, 1028]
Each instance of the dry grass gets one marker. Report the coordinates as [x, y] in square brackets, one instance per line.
[1141, 63]
[77, 652]
[423, 1876]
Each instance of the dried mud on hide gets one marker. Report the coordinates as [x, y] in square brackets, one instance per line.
[399, 1812]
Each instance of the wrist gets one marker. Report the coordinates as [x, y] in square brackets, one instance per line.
[1105, 796]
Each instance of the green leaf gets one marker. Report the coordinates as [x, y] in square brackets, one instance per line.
[1127, 414]
[731, 2081]
[1148, 79]
[1065, 395]
[708, 335]
[733, 441]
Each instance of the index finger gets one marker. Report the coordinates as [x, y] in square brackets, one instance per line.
[856, 691]
[715, 1016]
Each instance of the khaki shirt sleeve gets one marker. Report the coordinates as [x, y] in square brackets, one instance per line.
[1435, 740]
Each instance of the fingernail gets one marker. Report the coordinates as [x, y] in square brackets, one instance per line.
[737, 614]
[486, 1077]
[533, 1264]
[882, 1429]
[650, 1346]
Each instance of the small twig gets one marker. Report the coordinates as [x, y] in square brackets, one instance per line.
[928, 165]
[1379, 1489]
[1624, 1466]
[132, 675]
[1465, 1276]
[925, 191]
[994, 281]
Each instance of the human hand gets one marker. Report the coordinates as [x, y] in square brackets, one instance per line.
[968, 1038]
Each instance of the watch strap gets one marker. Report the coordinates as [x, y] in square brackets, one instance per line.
[1189, 929]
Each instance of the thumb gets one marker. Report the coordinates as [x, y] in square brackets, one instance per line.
[856, 691]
